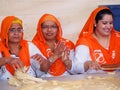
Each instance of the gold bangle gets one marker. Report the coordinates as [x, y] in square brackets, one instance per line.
[51, 60]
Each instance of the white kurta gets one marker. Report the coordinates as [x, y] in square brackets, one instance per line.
[34, 69]
[82, 54]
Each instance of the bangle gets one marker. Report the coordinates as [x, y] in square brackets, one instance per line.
[51, 60]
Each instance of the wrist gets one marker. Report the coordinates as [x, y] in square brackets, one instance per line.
[6, 60]
[68, 64]
[52, 59]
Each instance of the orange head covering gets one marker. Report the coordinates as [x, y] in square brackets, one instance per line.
[38, 39]
[24, 53]
[86, 38]
[6, 24]
[58, 67]
[39, 36]
[89, 26]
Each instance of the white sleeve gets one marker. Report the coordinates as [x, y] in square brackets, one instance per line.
[35, 64]
[0, 67]
[71, 56]
[82, 54]
[33, 49]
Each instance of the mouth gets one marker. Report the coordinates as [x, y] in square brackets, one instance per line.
[49, 34]
[107, 30]
[16, 38]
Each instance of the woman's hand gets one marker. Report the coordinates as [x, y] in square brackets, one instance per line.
[59, 49]
[14, 62]
[44, 63]
[38, 58]
[92, 65]
[65, 58]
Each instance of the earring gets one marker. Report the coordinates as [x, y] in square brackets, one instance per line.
[94, 25]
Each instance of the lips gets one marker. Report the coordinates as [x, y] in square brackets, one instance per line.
[107, 30]
[49, 34]
[16, 38]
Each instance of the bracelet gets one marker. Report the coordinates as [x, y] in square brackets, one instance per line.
[51, 60]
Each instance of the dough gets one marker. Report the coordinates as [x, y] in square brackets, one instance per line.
[27, 82]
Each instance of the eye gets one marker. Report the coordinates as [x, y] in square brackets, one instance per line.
[54, 26]
[111, 22]
[20, 30]
[104, 23]
[45, 27]
[11, 30]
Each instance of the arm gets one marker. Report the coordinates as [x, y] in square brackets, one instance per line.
[14, 62]
[3, 61]
[82, 55]
[37, 55]
[67, 58]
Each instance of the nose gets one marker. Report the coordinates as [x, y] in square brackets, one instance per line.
[49, 28]
[16, 31]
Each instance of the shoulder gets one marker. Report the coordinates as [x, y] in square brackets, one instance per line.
[116, 33]
[69, 43]
[31, 44]
[84, 40]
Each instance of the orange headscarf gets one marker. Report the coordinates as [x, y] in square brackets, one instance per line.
[24, 53]
[2, 47]
[58, 67]
[111, 56]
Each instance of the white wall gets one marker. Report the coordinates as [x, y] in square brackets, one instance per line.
[71, 13]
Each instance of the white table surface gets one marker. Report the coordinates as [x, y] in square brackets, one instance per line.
[5, 86]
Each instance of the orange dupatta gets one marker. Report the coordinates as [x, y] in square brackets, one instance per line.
[111, 56]
[58, 67]
[24, 53]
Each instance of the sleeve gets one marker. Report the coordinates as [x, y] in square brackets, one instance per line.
[34, 50]
[0, 67]
[82, 54]
[36, 68]
[35, 64]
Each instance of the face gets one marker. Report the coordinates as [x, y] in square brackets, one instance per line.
[105, 25]
[49, 30]
[15, 33]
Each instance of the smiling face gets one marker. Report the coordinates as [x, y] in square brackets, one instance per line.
[105, 25]
[49, 30]
[15, 33]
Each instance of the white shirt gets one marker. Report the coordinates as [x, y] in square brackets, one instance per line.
[82, 54]
[33, 69]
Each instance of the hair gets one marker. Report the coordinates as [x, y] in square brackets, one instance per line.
[101, 14]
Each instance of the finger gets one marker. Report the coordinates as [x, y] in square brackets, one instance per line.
[61, 45]
[17, 65]
[20, 63]
[41, 61]
[34, 56]
[14, 66]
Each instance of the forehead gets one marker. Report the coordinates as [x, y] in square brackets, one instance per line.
[107, 17]
[16, 25]
[49, 22]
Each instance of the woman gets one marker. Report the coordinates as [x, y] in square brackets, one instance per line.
[58, 51]
[17, 52]
[98, 43]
